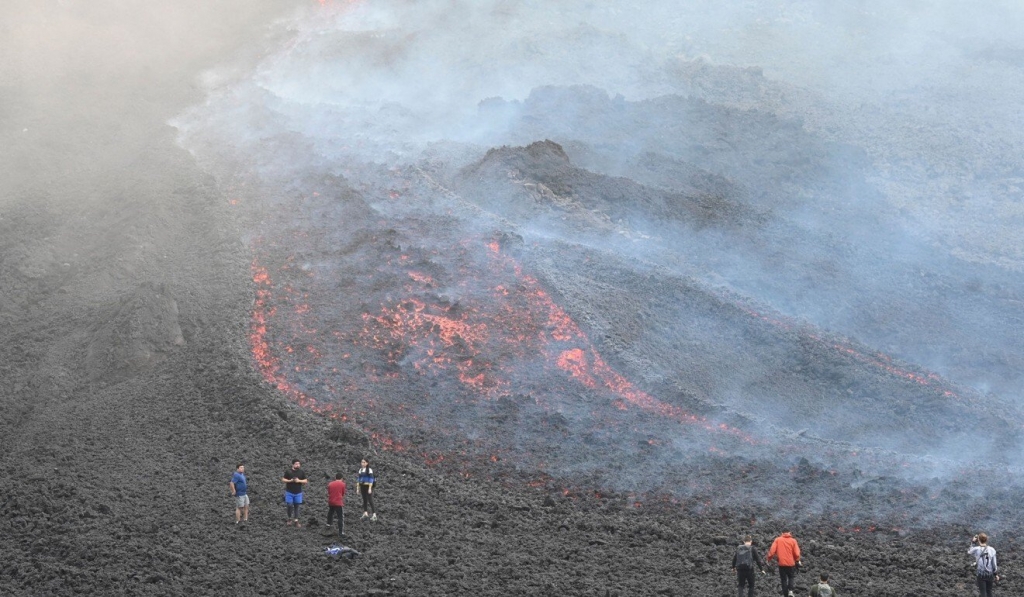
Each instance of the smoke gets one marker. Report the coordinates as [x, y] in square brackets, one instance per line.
[85, 83]
[798, 221]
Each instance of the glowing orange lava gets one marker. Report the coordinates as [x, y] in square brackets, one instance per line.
[433, 337]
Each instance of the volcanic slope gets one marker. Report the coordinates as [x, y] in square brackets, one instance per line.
[115, 481]
[552, 358]
[129, 393]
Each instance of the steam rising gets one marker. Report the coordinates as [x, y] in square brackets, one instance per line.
[821, 202]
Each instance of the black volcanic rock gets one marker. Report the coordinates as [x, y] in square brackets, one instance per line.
[129, 388]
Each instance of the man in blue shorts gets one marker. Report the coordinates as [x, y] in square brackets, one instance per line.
[240, 491]
[294, 480]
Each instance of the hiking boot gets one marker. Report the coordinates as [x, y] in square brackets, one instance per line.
[298, 525]
[364, 516]
[374, 518]
[288, 522]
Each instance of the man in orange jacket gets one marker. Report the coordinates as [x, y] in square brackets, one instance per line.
[786, 552]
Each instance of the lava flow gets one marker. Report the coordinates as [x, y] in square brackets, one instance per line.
[435, 341]
[503, 338]
[513, 335]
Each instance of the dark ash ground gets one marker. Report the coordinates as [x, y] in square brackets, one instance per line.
[129, 392]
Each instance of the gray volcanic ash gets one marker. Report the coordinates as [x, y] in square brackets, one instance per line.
[685, 256]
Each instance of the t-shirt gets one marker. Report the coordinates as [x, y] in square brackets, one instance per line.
[240, 485]
[336, 493]
[294, 474]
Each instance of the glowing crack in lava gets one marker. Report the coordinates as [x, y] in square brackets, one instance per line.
[521, 324]
[458, 355]
[436, 341]
[876, 360]
[268, 364]
[505, 337]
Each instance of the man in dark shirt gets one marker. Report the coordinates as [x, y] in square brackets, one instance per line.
[743, 562]
[294, 480]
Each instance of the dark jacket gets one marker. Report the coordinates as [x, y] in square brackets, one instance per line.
[753, 554]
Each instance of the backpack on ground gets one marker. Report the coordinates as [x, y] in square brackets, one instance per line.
[744, 556]
[341, 551]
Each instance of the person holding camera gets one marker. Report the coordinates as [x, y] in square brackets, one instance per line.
[985, 566]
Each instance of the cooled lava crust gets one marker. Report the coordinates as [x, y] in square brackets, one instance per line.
[134, 289]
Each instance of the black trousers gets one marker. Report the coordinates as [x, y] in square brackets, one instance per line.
[787, 576]
[340, 511]
[985, 586]
[745, 578]
[367, 501]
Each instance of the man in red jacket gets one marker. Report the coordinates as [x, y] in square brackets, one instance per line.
[336, 502]
[786, 552]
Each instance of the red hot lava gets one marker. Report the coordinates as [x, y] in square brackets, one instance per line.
[501, 338]
[497, 344]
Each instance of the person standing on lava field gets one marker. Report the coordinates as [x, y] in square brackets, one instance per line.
[985, 565]
[366, 481]
[743, 562]
[336, 502]
[786, 551]
[823, 589]
[294, 480]
[240, 491]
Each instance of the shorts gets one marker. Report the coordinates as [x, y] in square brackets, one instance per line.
[241, 501]
[292, 498]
